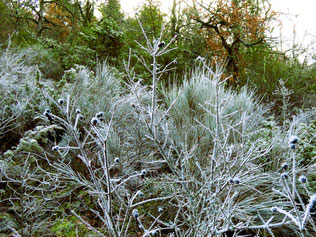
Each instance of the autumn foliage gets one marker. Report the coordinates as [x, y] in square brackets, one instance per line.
[230, 25]
[61, 23]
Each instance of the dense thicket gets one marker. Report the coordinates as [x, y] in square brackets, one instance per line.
[63, 33]
[187, 124]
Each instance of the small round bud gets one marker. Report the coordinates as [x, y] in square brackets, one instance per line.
[231, 180]
[55, 148]
[236, 180]
[274, 209]
[78, 111]
[294, 139]
[48, 115]
[99, 115]
[292, 146]
[284, 176]
[161, 44]
[303, 179]
[143, 173]
[312, 200]
[140, 193]
[160, 210]
[154, 233]
[135, 213]
[94, 121]
[61, 101]
[81, 117]
[117, 160]
[201, 59]
[285, 166]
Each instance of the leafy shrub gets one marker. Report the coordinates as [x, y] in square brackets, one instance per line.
[265, 68]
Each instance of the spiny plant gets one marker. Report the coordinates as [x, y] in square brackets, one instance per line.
[296, 211]
[121, 153]
[101, 174]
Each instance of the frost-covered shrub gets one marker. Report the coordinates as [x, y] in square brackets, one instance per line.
[16, 91]
[196, 106]
[13, 69]
[47, 60]
[93, 92]
[121, 159]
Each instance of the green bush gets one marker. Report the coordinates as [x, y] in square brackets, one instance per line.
[265, 67]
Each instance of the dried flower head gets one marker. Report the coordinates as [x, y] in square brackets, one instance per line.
[284, 176]
[236, 180]
[201, 59]
[154, 233]
[55, 148]
[294, 139]
[143, 173]
[48, 115]
[312, 203]
[135, 213]
[161, 44]
[302, 179]
[285, 166]
[140, 193]
[274, 209]
[61, 101]
[99, 114]
[94, 121]
[292, 146]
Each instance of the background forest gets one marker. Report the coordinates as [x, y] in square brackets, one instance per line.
[191, 123]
